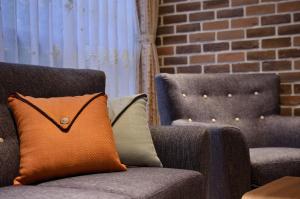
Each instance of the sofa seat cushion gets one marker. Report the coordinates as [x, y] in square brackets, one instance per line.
[272, 163]
[140, 182]
[37, 192]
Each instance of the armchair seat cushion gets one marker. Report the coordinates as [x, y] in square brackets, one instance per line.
[139, 182]
[272, 163]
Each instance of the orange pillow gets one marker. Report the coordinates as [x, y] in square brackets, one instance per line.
[63, 136]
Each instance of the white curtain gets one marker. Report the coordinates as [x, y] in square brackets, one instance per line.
[92, 34]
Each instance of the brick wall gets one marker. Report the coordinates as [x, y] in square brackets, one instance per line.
[233, 36]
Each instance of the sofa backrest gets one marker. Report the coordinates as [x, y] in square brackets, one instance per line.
[235, 99]
[36, 81]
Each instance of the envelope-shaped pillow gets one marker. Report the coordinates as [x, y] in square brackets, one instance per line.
[63, 136]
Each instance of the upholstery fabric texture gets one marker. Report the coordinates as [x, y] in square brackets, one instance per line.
[39, 82]
[210, 150]
[63, 136]
[139, 182]
[202, 98]
[271, 163]
[131, 132]
[36, 192]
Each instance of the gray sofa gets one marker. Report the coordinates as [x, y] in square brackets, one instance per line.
[247, 103]
[183, 155]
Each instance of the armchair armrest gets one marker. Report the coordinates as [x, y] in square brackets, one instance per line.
[218, 152]
[282, 131]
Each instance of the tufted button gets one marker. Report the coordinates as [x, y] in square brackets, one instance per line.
[64, 120]
[237, 119]
[213, 120]
[256, 93]
[183, 94]
[229, 95]
[205, 96]
[190, 120]
[262, 117]
[1, 140]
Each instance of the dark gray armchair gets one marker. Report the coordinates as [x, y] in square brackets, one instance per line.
[249, 103]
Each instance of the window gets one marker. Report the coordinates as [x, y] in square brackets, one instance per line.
[92, 34]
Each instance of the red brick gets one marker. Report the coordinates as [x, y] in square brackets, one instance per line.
[260, 55]
[297, 41]
[245, 67]
[201, 37]
[276, 43]
[167, 70]
[201, 16]
[230, 13]
[297, 17]
[188, 49]
[289, 53]
[165, 30]
[189, 69]
[289, 6]
[175, 60]
[260, 9]
[297, 112]
[165, 51]
[221, 68]
[285, 111]
[233, 34]
[188, 7]
[188, 27]
[297, 64]
[215, 25]
[276, 65]
[285, 89]
[199, 59]
[296, 88]
[290, 100]
[166, 9]
[289, 77]
[260, 32]
[171, 19]
[215, 47]
[231, 57]
[158, 41]
[243, 2]
[212, 4]
[250, 44]
[245, 22]
[290, 29]
[275, 19]
[178, 39]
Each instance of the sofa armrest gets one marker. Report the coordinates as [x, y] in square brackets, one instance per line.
[282, 131]
[218, 152]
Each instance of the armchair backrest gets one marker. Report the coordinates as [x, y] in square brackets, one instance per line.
[36, 81]
[235, 99]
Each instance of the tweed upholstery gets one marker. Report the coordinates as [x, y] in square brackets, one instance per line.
[222, 97]
[139, 182]
[271, 163]
[36, 192]
[36, 81]
[209, 149]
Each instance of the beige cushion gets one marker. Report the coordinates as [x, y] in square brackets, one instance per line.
[132, 135]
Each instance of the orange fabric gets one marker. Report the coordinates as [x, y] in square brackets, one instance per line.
[63, 136]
